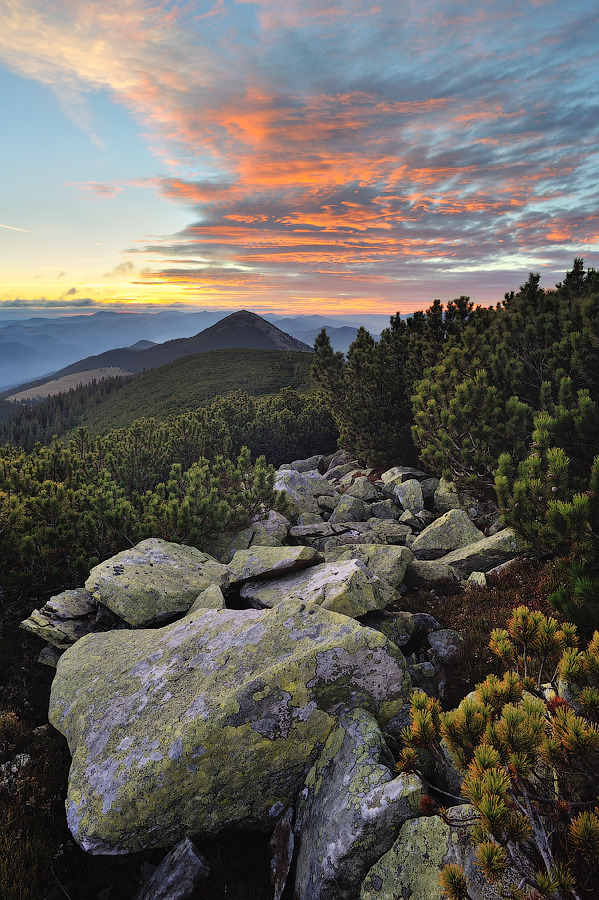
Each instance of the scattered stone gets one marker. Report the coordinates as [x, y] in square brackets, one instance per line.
[450, 531]
[411, 521]
[178, 874]
[445, 644]
[258, 562]
[477, 578]
[336, 473]
[429, 486]
[211, 598]
[345, 587]
[10, 772]
[384, 509]
[273, 524]
[399, 474]
[350, 811]
[312, 464]
[424, 624]
[424, 677]
[310, 518]
[319, 529]
[328, 503]
[49, 656]
[154, 580]
[226, 704]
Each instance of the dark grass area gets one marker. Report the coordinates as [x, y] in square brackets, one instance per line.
[39, 859]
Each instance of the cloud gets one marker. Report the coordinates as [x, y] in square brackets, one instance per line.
[14, 228]
[121, 271]
[347, 147]
[47, 303]
[96, 189]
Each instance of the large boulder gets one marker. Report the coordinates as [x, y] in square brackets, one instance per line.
[452, 530]
[410, 869]
[350, 509]
[350, 810]
[154, 580]
[409, 495]
[363, 489]
[346, 587]
[302, 489]
[64, 618]
[211, 721]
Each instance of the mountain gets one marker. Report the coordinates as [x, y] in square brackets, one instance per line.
[240, 330]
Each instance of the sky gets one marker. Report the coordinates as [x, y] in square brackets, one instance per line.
[294, 156]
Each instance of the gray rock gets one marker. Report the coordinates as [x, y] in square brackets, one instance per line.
[211, 598]
[384, 509]
[422, 572]
[282, 845]
[424, 677]
[486, 553]
[411, 521]
[345, 587]
[226, 704]
[445, 645]
[424, 624]
[309, 518]
[450, 531]
[64, 618]
[350, 811]
[154, 580]
[312, 464]
[446, 497]
[387, 562]
[363, 490]
[273, 524]
[429, 486]
[349, 509]
[399, 474]
[398, 627]
[328, 503]
[315, 530]
[387, 531]
[409, 495]
[336, 473]
[258, 562]
[479, 579]
[302, 489]
[411, 868]
[178, 874]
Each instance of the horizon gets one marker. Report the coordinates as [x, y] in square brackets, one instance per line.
[294, 159]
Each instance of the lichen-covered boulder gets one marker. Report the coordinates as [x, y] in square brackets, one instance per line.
[421, 572]
[397, 626]
[260, 561]
[410, 496]
[211, 721]
[302, 489]
[446, 496]
[345, 587]
[452, 530]
[388, 562]
[363, 489]
[154, 580]
[64, 618]
[350, 509]
[486, 553]
[350, 810]
[410, 869]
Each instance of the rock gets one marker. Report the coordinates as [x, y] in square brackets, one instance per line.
[486, 553]
[389, 532]
[477, 578]
[445, 645]
[11, 772]
[154, 580]
[211, 598]
[336, 473]
[363, 489]
[424, 677]
[64, 618]
[349, 509]
[429, 486]
[224, 546]
[312, 464]
[260, 561]
[345, 587]
[398, 627]
[425, 624]
[282, 845]
[320, 529]
[49, 656]
[411, 521]
[310, 518]
[450, 531]
[410, 869]
[302, 488]
[409, 495]
[446, 497]
[328, 504]
[350, 811]
[384, 509]
[177, 875]
[387, 562]
[399, 474]
[421, 572]
[273, 524]
[210, 721]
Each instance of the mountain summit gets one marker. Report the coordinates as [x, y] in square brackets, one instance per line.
[248, 330]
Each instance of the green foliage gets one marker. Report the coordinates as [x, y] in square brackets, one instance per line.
[528, 759]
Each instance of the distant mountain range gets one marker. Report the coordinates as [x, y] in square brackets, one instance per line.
[31, 350]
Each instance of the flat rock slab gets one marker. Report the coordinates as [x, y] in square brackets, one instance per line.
[452, 530]
[272, 561]
[486, 553]
[345, 587]
[350, 810]
[385, 561]
[154, 580]
[212, 721]
[64, 618]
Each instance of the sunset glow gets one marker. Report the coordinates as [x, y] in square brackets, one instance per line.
[294, 157]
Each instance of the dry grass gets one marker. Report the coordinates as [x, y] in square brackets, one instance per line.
[67, 383]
